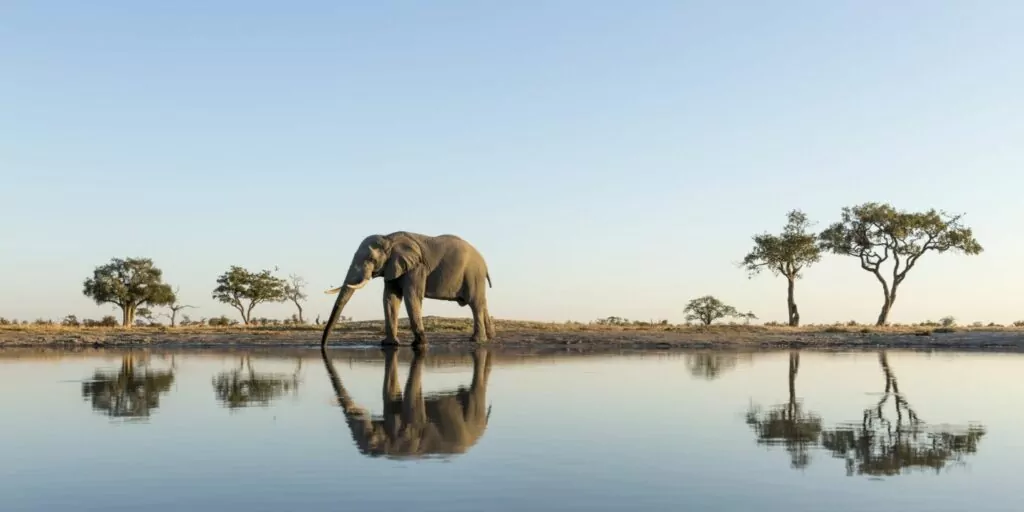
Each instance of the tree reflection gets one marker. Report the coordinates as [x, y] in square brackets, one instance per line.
[413, 424]
[883, 446]
[787, 424]
[130, 393]
[245, 387]
[710, 365]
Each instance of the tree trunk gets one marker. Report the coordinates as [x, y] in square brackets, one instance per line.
[794, 315]
[890, 298]
[126, 316]
[174, 313]
[883, 316]
[299, 306]
[241, 311]
[794, 367]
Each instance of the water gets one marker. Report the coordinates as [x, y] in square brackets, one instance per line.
[215, 430]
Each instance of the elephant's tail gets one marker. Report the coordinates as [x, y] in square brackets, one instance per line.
[489, 280]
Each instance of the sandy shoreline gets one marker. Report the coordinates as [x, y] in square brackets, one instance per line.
[579, 341]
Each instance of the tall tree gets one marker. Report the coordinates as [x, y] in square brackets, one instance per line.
[707, 309]
[786, 254]
[877, 233]
[243, 290]
[293, 291]
[128, 284]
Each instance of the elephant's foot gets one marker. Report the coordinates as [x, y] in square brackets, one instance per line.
[419, 340]
[389, 342]
[478, 338]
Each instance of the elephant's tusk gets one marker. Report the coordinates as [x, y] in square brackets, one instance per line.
[358, 286]
[332, 291]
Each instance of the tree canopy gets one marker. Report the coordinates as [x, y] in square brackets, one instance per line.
[786, 254]
[877, 233]
[243, 290]
[707, 309]
[128, 283]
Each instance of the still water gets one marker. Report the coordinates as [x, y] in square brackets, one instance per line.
[366, 430]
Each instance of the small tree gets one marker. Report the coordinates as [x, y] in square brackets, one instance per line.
[243, 290]
[293, 291]
[748, 316]
[128, 284]
[707, 309]
[786, 254]
[876, 233]
[175, 306]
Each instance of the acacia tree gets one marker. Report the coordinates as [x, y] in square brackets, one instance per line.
[877, 233]
[786, 254]
[128, 284]
[293, 291]
[707, 309]
[243, 290]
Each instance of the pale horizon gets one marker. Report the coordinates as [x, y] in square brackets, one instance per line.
[640, 148]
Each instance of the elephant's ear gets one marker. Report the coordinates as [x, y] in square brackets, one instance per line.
[404, 257]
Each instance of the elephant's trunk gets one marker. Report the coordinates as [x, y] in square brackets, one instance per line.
[343, 297]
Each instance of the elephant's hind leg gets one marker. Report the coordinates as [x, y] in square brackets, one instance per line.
[489, 323]
[480, 317]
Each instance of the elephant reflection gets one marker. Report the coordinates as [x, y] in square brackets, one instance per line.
[413, 425]
[788, 424]
[133, 392]
[237, 388]
[879, 446]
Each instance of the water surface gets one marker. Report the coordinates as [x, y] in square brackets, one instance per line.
[365, 430]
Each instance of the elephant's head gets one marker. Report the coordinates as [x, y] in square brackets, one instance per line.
[387, 256]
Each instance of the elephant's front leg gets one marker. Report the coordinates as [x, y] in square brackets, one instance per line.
[414, 412]
[415, 287]
[392, 301]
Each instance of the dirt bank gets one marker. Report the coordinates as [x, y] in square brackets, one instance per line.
[578, 340]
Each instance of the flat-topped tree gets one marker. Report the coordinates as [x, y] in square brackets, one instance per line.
[786, 254]
[243, 290]
[128, 284]
[876, 234]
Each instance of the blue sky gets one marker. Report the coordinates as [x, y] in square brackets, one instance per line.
[607, 158]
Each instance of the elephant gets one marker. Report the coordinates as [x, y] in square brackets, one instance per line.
[414, 426]
[416, 266]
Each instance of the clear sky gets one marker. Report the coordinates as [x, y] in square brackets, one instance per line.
[608, 158]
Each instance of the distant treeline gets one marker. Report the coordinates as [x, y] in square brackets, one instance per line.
[883, 241]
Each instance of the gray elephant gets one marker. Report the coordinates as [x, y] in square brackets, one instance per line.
[415, 266]
[413, 425]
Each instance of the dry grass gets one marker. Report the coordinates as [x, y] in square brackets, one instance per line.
[460, 325]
